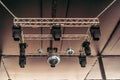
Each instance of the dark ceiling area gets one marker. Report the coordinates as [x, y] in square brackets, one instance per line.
[65, 8]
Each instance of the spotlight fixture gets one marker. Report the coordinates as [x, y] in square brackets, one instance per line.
[82, 60]
[56, 32]
[16, 32]
[53, 59]
[22, 61]
[70, 51]
[22, 47]
[22, 57]
[95, 32]
[86, 46]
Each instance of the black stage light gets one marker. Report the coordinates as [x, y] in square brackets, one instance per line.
[86, 46]
[22, 47]
[82, 60]
[16, 32]
[22, 61]
[95, 32]
[87, 51]
[56, 32]
[22, 57]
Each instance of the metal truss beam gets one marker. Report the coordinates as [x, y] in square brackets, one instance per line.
[64, 22]
[48, 36]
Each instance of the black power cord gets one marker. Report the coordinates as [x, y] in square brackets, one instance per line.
[6, 70]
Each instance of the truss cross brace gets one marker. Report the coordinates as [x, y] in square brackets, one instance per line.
[64, 22]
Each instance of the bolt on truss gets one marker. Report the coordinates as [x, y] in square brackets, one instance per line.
[64, 22]
[48, 36]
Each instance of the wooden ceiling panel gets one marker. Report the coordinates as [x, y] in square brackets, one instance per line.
[42, 71]
[114, 44]
[112, 67]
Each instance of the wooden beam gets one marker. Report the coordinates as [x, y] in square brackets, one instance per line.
[101, 66]
[110, 37]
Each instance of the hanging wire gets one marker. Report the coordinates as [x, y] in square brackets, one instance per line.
[7, 8]
[63, 29]
[81, 51]
[88, 37]
[22, 34]
[54, 6]
[53, 14]
[91, 69]
[58, 44]
[69, 43]
[66, 15]
[6, 70]
[41, 15]
[106, 8]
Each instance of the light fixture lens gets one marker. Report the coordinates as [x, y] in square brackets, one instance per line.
[22, 61]
[39, 51]
[56, 32]
[86, 46]
[70, 51]
[82, 60]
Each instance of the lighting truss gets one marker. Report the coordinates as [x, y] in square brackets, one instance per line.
[48, 36]
[64, 22]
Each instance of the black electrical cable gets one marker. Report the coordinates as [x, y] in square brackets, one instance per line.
[54, 6]
[41, 15]
[91, 69]
[6, 70]
[66, 14]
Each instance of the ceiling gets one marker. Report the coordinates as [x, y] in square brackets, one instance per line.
[69, 68]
